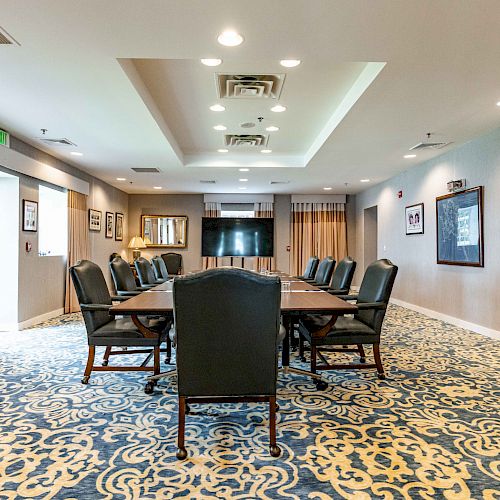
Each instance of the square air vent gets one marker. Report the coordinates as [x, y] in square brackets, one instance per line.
[245, 140]
[145, 170]
[208, 182]
[249, 86]
[57, 142]
[429, 145]
[6, 39]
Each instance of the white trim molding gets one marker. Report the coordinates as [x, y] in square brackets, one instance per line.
[17, 162]
[482, 330]
[238, 198]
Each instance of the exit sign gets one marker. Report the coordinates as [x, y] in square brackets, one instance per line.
[4, 138]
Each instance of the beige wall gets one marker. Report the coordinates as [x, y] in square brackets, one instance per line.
[466, 293]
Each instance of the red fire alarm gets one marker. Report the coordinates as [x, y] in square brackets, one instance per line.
[28, 246]
[288, 248]
[400, 194]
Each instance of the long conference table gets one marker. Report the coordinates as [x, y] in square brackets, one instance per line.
[302, 298]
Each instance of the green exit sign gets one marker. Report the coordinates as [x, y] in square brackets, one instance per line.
[4, 138]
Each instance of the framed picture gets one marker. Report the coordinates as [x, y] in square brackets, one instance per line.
[459, 219]
[110, 219]
[118, 226]
[414, 215]
[30, 215]
[95, 219]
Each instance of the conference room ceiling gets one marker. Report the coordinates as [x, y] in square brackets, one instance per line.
[123, 81]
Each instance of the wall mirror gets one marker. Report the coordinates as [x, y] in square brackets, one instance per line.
[164, 230]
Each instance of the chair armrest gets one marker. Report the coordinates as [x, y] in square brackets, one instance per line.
[339, 292]
[95, 307]
[120, 298]
[348, 297]
[143, 288]
[281, 335]
[371, 305]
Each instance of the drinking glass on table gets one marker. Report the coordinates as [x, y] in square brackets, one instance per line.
[285, 286]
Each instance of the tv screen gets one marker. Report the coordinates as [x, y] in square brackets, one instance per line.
[237, 237]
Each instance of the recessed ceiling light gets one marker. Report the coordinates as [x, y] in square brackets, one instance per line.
[211, 62]
[222, 150]
[243, 169]
[365, 180]
[121, 179]
[266, 151]
[243, 180]
[409, 156]
[220, 127]
[327, 188]
[230, 38]
[157, 187]
[290, 63]
[76, 153]
[278, 108]
[498, 103]
[272, 128]
[242, 188]
[217, 107]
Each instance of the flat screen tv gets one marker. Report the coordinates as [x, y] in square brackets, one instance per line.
[237, 237]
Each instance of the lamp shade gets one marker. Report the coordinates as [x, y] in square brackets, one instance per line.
[147, 241]
[137, 242]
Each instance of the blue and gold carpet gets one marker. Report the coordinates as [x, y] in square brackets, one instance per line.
[431, 430]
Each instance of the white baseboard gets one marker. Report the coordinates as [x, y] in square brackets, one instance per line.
[39, 319]
[483, 330]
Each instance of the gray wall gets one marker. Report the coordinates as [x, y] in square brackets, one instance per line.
[462, 292]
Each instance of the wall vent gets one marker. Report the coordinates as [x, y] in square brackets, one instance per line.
[429, 145]
[208, 182]
[246, 140]
[6, 39]
[145, 170]
[57, 142]
[249, 86]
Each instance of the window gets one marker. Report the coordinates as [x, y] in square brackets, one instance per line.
[52, 222]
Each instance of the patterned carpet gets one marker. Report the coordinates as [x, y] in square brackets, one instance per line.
[431, 430]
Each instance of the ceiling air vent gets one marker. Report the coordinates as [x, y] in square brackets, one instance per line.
[245, 140]
[207, 182]
[249, 86]
[145, 170]
[279, 182]
[6, 39]
[429, 145]
[57, 142]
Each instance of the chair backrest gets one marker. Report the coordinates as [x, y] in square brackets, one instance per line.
[159, 267]
[145, 271]
[310, 270]
[376, 287]
[91, 288]
[227, 322]
[173, 261]
[113, 255]
[325, 271]
[122, 275]
[343, 274]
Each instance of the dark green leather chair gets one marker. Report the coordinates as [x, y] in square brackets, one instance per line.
[320, 270]
[310, 270]
[227, 325]
[324, 272]
[124, 279]
[146, 274]
[159, 268]
[104, 330]
[341, 278]
[363, 328]
[173, 261]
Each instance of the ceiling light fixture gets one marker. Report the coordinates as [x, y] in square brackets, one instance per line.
[223, 150]
[157, 187]
[220, 127]
[76, 153]
[243, 180]
[217, 107]
[409, 156]
[327, 188]
[211, 62]
[290, 63]
[121, 179]
[278, 108]
[243, 169]
[272, 128]
[266, 151]
[242, 188]
[365, 180]
[230, 38]
[498, 103]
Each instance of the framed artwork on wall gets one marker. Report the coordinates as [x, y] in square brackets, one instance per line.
[118, 226]
[94, 219]
[459, 219]
[30, 215]
[110, 219]
[414, 215]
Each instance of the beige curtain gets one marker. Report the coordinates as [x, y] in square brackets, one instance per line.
[212, 209]
[264, 209]
[78, 243]
[317, 229]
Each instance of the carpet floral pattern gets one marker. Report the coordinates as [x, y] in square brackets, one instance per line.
[431, 430]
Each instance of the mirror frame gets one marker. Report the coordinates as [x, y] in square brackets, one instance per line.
[152, 245]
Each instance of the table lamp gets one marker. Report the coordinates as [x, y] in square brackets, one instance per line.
[136, 242]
